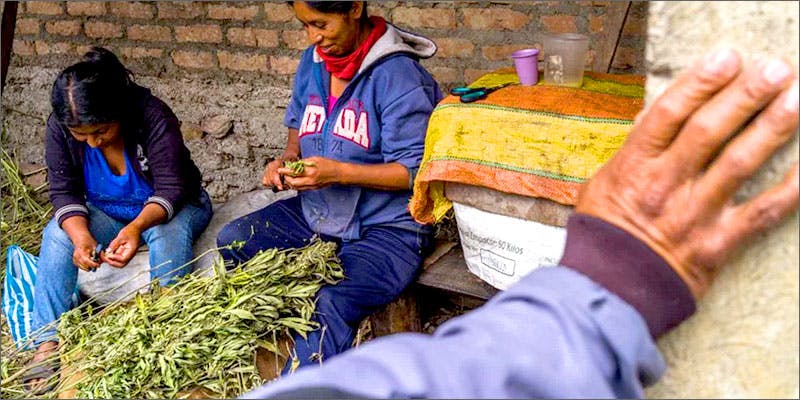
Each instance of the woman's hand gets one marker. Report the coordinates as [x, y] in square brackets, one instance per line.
[318, 173]
[272, 177]
[122, 249]
[82, 255]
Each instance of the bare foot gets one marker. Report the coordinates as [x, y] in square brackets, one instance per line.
[44, 354]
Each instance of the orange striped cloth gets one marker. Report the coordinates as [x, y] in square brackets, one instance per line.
[537, 141]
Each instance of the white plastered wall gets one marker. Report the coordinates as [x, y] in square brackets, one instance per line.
[743, 340]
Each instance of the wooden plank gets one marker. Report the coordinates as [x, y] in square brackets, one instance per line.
[450, 273]
[401, 315]
[615, 12]
[440, 248]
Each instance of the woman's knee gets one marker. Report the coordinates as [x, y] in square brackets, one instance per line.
[170, 231]
[333, 304]
[53, 234]
[233, 231]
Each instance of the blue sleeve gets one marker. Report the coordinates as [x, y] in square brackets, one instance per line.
[555, 334]
[302, 78]
[404, 116]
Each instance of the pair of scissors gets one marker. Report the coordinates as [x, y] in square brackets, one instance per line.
[96, 254]
[470, 94]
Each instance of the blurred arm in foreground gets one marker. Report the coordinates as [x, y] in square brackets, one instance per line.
[651, 230]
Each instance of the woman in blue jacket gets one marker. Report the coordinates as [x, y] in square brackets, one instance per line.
[357, 117]
[119, 175]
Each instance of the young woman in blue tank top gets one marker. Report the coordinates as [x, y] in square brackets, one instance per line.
[120, 175]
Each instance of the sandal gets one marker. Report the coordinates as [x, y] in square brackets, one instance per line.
[46, 370]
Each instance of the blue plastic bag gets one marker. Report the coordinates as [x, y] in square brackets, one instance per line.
[18, 290]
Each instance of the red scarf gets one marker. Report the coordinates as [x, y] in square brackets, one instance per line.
[346, 67]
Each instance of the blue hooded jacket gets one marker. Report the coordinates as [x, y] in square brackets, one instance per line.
[381, 117]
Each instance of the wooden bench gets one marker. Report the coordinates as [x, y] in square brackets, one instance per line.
[444, 272]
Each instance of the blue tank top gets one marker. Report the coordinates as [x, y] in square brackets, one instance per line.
[120, 197]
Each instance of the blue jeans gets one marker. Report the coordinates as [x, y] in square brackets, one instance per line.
[377, 268]
[170, 247]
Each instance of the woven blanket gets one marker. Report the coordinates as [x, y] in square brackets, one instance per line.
[539, 141]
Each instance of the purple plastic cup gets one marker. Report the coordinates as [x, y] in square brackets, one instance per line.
[526, 62]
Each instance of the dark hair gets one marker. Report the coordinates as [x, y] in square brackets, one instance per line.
[92, 91]
[335, 7]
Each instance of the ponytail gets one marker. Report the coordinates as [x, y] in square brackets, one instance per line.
[97, 89]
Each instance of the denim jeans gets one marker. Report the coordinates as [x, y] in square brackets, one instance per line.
[377, 268]
[170, 247]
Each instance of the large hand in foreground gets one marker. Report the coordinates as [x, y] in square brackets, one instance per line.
[672, 183]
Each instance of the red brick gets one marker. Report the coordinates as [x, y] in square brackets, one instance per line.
[253, 37]
[283, 65]
[278, 12]
[242, 61]
[28, 26]
[193, 59]
[97, 29]
[494, 19]
[63, 28]
[93, 8]
[149, 33]
[23, 48]
[82, 49]
[295, 39]
[471, 75]
[199, 34]
[34, 175]
[232, 12]
[595, 24]
[132, 10]
[266, 37]
[44, 7]
[182, 9]
[503, 52]
[241, 36]
[379, 11]
[141, 52]
[454, 48]
[44, 48]
[560, 23]
[445, 74]
[425, 17]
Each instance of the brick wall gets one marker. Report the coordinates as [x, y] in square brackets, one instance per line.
[237, 58]
[261, 40]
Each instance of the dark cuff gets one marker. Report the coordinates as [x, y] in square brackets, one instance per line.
[70, 210]
[628, 268]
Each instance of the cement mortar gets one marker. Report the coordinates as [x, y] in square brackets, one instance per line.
[743, 340]
[230, 165]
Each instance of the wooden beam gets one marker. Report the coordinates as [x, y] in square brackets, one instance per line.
[7, 38]
[616, 11]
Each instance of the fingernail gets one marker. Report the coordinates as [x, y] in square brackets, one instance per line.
[791, 102]
[776, 71]
[719, 59]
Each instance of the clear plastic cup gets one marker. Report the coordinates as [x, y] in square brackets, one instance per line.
[564, 58]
